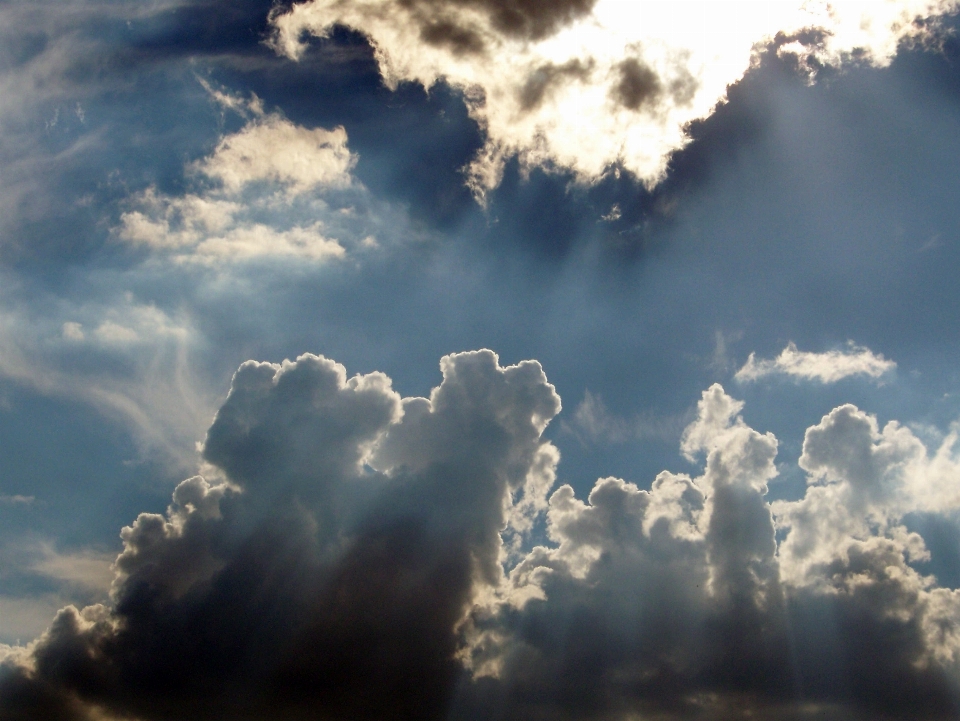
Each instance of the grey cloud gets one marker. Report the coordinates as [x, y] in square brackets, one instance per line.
[349, 564]
[443, 23]
[306, 582]
[448, 33]
[670, 603]
[301, 423]
[540, 81]
[638, 85]
[530, 19]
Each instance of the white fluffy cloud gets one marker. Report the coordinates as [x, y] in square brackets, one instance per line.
[273, 149]
[828, 367]
[268, 195]
[585, 84]
[355, 554]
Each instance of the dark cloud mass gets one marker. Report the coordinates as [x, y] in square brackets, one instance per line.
[540, 80]
[348, 566]
[526, 19]
[321, 586]
[637, 85]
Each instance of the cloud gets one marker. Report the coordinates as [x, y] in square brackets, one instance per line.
[351, 534]
[861, 479]
[828, 367]
[264, 174]
[353, 554]
[678, 602]
[590, 84]
[272, 148]
[128, 358]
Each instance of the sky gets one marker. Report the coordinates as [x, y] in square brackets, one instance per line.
[479, 360]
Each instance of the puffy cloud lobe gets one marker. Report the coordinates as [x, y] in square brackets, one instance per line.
[302, 423]
[648, 597]
[274, 149]
[365, 556]
[828, 367]
[587, 84]
[677, 602]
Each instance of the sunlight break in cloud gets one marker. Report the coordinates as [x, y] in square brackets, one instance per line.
[826, 367]
[586, 84]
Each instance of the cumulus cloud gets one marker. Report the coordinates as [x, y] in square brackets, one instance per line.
[678, 601]
[329, 570]
[255, 186]
[353, 554]
[588, 84]
[274, 149]
[828, 367]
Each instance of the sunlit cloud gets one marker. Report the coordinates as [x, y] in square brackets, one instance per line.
[258, 175]
[585, 85]
[828, 367]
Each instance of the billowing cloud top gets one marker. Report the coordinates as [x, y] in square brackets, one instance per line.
[587, 84]
[351, 562]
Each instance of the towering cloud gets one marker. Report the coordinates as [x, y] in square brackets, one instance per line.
[589, 84]
[327, 573]
[346, 558]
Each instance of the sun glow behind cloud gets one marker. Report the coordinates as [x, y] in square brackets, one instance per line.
[589, 86]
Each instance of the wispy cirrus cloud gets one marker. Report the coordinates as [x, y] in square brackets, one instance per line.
[828, 367]
[361, 541]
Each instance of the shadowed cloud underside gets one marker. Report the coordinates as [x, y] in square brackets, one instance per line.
[355, 554]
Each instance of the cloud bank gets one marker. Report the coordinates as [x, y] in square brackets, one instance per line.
[355, 554]
[828, 367]
[585, 85]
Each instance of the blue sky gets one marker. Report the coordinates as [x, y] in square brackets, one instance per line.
[626, 222]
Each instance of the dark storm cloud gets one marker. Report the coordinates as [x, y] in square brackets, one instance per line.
[350, 566]
[322, 586]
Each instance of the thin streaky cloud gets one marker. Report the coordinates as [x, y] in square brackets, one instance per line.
[828, 367]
